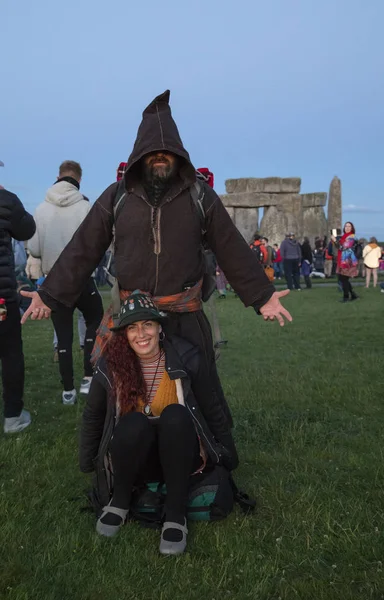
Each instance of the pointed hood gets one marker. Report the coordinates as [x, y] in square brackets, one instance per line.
[158, 131]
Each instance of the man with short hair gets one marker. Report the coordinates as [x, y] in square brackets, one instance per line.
[158, 241]
[15, 223]
[291, 254]
[57, 220]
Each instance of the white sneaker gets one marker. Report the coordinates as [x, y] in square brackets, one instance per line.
[85, 385]
[69, 397]
[16, 424]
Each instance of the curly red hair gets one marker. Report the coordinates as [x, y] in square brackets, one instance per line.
[128, 383]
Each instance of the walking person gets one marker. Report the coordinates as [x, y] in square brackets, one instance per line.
[15, 223]
[347, 262]
[157, 235]
[306, 262]
[291, 254]
[57, 219]
[277, 262]
[371, 257]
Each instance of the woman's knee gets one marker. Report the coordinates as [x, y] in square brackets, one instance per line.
[175, 415]
[130, 430]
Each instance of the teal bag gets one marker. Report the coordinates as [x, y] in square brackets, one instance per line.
[211, 498]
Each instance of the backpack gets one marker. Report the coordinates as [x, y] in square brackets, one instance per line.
[209, 279]
[358, 250]
[257, 250]
[211, 497]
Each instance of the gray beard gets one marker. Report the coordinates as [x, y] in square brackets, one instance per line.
[156, 185]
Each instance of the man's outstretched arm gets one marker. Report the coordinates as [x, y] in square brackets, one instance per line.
[239, 263]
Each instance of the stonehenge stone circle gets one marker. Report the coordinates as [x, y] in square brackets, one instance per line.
[285, 209]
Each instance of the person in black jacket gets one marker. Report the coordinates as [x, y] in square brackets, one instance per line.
[306, 262]
[15, 223]
[151, 416]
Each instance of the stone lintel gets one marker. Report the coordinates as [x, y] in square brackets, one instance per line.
[256, 199]
[315, 199]
[271, 185]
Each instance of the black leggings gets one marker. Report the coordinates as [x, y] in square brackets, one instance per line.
[346, 285]
[91, 305]
[165, 449]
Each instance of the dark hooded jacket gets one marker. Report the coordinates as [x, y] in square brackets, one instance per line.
[163, 260]
[99, 418]
[16, 223]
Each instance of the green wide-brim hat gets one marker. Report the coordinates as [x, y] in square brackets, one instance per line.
[137, 307]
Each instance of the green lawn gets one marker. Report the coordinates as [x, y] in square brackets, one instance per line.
[308, 405]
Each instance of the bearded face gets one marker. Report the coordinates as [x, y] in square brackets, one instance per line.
[160, 166]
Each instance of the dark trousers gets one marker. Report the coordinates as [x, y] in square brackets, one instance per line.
[91, 305]
[165, 449]
[12, 361]
[195, 328]
[292, 273]
[346, 285]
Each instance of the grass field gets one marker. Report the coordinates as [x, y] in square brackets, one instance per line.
[308, 405]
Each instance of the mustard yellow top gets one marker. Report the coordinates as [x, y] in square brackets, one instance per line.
[165, 395]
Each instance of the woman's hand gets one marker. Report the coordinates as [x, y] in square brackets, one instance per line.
[333, 238]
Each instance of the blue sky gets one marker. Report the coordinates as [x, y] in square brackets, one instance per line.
[258, 89]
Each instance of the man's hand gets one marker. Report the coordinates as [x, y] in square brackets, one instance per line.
[274, 310]
[37, 309]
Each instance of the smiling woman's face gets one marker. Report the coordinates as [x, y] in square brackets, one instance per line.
[143, 337]
[347, 228]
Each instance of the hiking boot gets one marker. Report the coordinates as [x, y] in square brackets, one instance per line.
[69, 397]
[16, 424]
[55, 355]
[173, 548]
[85, 385]
[354, 297]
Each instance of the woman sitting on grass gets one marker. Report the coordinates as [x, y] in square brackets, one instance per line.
[347, 263]
[150, 416]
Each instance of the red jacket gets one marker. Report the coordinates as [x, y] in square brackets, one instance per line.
[278, 256]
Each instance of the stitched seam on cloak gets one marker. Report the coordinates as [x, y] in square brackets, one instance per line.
[161, 128]
[103, 207]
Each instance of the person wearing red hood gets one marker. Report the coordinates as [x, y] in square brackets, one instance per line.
[158, 245]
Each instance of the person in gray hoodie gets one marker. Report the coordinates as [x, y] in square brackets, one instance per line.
[57, 219]
[291, 255]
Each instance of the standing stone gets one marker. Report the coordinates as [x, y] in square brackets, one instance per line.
[231, 212]
[247, 222]
[314, 223]
[273, 224]
[334, 204]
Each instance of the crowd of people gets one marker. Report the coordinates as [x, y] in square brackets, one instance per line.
[155, 410]
[155, 405]
[343, 255]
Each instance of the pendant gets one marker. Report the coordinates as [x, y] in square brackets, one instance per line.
[147, 410]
